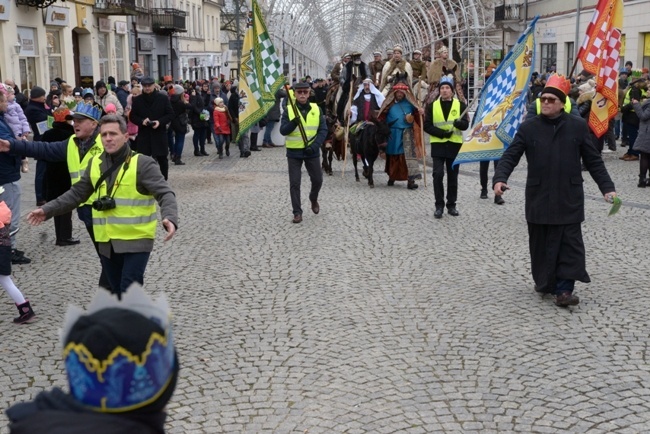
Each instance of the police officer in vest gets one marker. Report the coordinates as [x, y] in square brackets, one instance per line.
[444, 124]
[303, 149]
[123, 188]
[75, 151]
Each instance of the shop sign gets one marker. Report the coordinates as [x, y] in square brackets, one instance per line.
[120, 27]
[27, 38]
[104, 25]
[57, 16]
[146, 44]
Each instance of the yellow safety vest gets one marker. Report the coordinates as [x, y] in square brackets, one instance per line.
[438, 119]
[567, 105]
[76, 167]
[627, 99]
[294, 139]
[134, 216]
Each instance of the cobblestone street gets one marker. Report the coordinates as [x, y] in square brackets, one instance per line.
[370, 317]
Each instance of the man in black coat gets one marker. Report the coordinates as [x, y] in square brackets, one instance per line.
[554, 142]
[151, 112]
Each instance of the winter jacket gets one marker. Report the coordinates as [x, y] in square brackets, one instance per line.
[274, 113]
[180, 107]
[9, 164]
[131, 128]
[122, 96]
[36, 112]
[57, 175]
[221, 121]
[56, 412]
[642, 110]
[108, 98]
[16, 119]
[156, 107]
[196, 103]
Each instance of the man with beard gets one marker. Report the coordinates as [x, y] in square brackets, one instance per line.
[355, 71]
[404, 148]
[339, 67]
[375, 68]
[151, 112]
[396, 69]
[442, 67]
[366, 103]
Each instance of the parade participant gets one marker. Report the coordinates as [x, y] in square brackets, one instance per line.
[151, 112]
[404, 149]
[389, 55]
[355, 72]
[442, 67]
[418, 66]
[396, 70]
[375, 67]
[124, 188]
[444, 123]
[366, 102]
[554, 143]
[132, 342]
[305, 129]
[339, 68]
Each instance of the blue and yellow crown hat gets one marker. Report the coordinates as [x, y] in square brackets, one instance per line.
[85, 110]
[446, 80]
[119, 355]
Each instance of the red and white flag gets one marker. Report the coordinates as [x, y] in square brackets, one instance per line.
[599, 56]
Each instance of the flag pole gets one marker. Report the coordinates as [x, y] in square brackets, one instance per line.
[347, 129]
[424, 150]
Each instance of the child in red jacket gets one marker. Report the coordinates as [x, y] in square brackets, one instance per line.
[221, 127]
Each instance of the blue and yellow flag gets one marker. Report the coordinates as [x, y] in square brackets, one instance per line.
[502, 105]
[260, 75]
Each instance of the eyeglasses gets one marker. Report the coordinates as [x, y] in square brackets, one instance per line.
[302, 92]
[548, 99]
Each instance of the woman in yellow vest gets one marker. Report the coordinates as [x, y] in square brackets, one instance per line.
[444, 123]
[124, 210]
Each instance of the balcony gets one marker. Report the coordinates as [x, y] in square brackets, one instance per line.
[119, 7]
[509, 17]
[168, 21]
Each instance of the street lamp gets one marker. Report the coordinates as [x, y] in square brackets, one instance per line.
[17, 47]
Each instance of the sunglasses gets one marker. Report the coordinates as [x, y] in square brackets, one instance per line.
[548, 99]
[302, 91]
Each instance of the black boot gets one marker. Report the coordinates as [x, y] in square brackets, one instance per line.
[196, 152]
[25, 313]
[227, 149]
[642, 182]
[205, 154]
[484, 193]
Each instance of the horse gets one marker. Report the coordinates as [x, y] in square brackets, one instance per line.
[334, 144]
[368, 140]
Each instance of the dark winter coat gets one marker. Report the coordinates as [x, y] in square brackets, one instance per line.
[56, 412]
[196, 107]
[554, 184]
[642, 110]
[274, 114]
[36, 112]
[9, 164]
[156, 107]
[180, 107]
[57, 175]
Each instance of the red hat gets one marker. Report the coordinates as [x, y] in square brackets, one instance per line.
[60, 114]
[400, 86]
[558, 85]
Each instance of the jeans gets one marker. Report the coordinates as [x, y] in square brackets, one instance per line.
[176, 143]
[11, 197]
[632, 134]
[220, 140]
[198, 138]
[268, 131]
[122, 269]
[295, 174]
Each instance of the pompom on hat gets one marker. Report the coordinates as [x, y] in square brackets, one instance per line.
[119, 355]
[557, 85]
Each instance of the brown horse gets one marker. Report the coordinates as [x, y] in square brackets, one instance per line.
[334, 144]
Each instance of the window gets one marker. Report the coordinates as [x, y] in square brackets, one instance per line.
[570, 52]
[163, 65]
[53, 38]
[548, 58]
[102, 42]
[119, 54]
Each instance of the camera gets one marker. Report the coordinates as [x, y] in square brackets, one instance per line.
[104, 203]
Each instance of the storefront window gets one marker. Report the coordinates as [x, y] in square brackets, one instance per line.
[119, 55]
[53, 38]
[102, 40]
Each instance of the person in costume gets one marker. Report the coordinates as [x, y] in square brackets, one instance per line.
[441, 67]
[132, 341]
[444, 120]
[396, 70]
[375, 67]
[354, 73]
[554, 143]
[401, 113]
[366, 102]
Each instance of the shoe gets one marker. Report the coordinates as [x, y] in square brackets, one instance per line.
[391, 182]
[315, 207]
[68, 242]
[172, 157]
[453, 211]
[255, 149]
[205, 154]
[566, 299]
[273, 145]
[178, 162]
[41, 202]
[266, 145]
[297, 219]
[438, 213]
[411, 185]
[197, 154]
[221, 156]
[499, 200]
[542, 291]
[632, 158]
[624, 144]
[19, 259]
[247, 154]
[483, 194]
[25, 313]
[17, 252]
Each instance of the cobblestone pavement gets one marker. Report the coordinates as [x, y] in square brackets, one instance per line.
[369, 317]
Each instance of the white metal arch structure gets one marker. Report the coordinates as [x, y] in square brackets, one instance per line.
[322, 30]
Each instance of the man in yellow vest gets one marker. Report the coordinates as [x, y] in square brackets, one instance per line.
[444, 123]
[75, 151]
[123, 188]
[311, 120]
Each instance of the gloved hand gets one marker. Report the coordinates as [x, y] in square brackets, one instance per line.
[448, 135]
[311, 149]
[458, 123]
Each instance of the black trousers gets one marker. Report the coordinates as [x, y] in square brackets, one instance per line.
[483, 172]
[163, 163]
[295, 174]
[439, 164]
